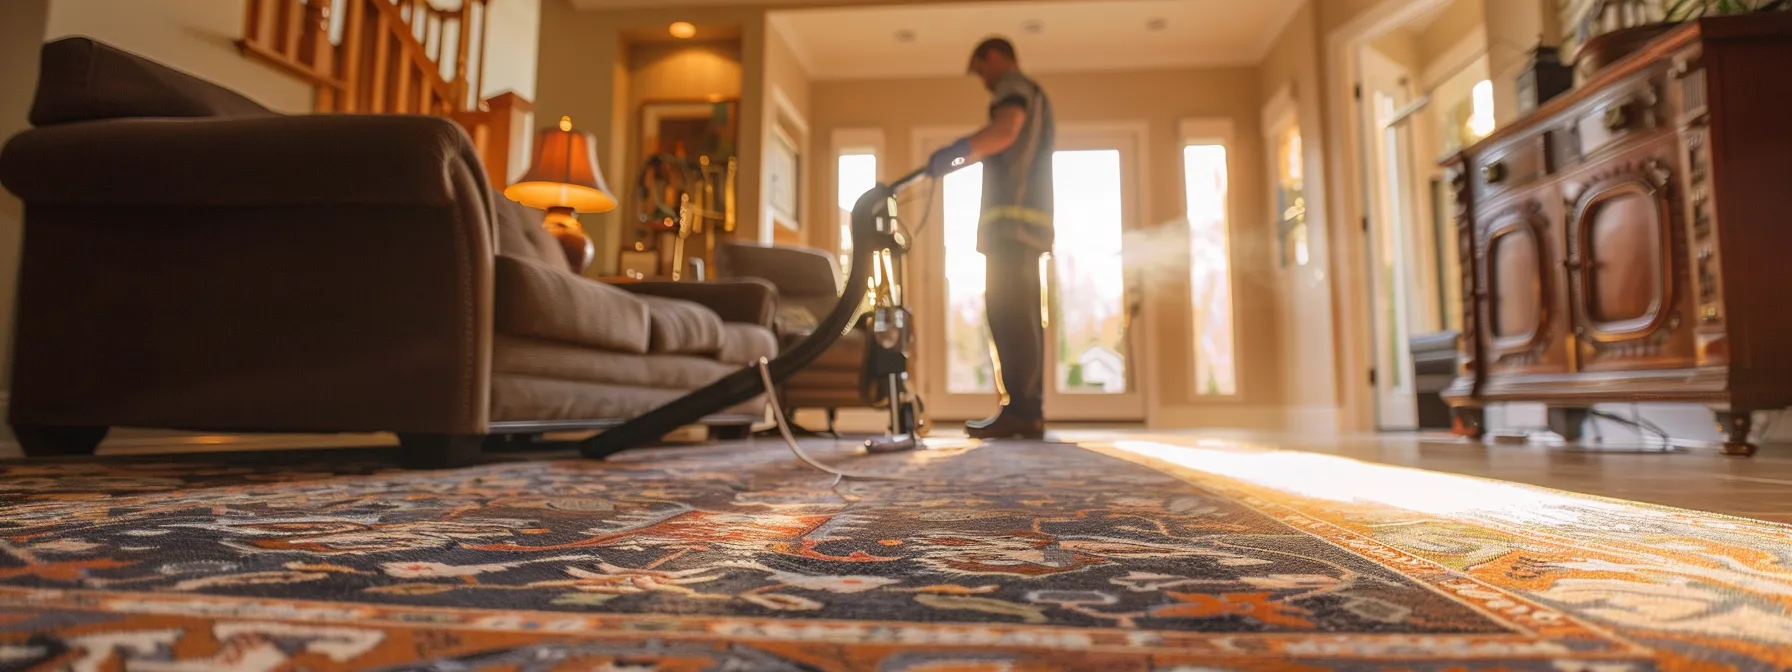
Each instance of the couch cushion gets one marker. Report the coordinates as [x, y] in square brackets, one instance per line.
[682, 327]
[745, 343]
[545, 359]
[540, 301]
[80, 79]
[525, 399]
[521, 235]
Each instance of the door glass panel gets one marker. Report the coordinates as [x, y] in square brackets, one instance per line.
[969, 369]
[1089, 306]
[1210, 269]
[857, 175]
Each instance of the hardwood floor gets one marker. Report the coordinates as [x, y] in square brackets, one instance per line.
[1693, 478]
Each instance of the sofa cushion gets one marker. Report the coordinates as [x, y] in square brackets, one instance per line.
[536, 358]
[681, 327]
[525, 399]
[521, 235]
[80, 79]
[746, 343]
[537, 300]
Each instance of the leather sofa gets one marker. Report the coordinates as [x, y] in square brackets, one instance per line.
[194, 261]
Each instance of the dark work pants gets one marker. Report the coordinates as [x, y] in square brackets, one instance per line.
[1016, 328]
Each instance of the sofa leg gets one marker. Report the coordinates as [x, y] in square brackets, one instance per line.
[740, 432]
[58, 441]
[439, 451]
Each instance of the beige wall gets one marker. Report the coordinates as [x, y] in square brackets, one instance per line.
[198, 36]
[1402, 47]
[1159, 100]
[1306, 305]
[510, 64]
[584, 72]
[1458, 22]
[785, 76]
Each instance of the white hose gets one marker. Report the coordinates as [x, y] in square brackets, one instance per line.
[765, 374]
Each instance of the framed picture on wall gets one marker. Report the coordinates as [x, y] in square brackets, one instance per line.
[690, 128]
[1281, 124]
[783, 180]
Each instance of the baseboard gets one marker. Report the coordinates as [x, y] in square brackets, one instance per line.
[1220, 417]
[1314, 419]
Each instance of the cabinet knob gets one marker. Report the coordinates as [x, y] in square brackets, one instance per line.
[1494, 173]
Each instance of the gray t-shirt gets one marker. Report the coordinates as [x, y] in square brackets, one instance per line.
[1017, 183]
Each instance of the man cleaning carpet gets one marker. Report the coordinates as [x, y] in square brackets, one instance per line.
[1002, 556]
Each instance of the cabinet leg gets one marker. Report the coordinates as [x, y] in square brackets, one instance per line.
[1569, 422]
[439, 451]
[1736, 425]
[1469, 421]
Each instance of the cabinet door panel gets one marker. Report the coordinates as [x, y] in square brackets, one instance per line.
[1518, 280]
[1515, 264]
[1626, 281]
[1623, 264]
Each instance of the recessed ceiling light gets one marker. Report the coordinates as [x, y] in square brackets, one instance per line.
[1157, 24]
[905, 35]
[1033, 26]
[682, 30]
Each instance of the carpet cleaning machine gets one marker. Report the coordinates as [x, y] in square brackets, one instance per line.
[874, 285]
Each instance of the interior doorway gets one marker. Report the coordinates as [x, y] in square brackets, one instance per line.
[1414, 75]
[1094, 359]
[1388, 164]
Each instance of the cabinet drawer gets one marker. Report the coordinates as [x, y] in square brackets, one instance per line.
[1510, 165]
[1627, 113]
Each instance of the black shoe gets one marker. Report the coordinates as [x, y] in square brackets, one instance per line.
[1006, 425]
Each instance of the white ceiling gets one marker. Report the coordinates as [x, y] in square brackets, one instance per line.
[1085, 35]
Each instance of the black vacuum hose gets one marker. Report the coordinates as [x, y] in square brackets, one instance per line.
[738, 387]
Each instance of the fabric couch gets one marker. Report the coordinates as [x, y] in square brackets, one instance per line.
[194, 261]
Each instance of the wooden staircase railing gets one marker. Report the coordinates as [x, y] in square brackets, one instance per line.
[393, 57]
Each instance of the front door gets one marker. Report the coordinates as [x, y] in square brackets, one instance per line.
[1093, 364]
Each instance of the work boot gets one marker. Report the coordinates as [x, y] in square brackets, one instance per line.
[1006, 425]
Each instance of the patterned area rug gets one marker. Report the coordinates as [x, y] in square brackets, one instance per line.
[1125, 556]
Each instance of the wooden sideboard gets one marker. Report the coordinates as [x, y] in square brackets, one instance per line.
[1632, 240]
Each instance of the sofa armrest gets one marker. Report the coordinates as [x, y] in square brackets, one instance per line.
[748, 300]
[797, 272]
[292, 274]
[327, 159]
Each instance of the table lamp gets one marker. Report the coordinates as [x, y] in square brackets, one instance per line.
[565, 180]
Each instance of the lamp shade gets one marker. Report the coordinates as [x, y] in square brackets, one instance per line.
[565, 173]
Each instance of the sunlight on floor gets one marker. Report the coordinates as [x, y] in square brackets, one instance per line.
[1343, 479]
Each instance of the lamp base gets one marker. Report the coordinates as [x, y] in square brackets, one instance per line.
[564, 225]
